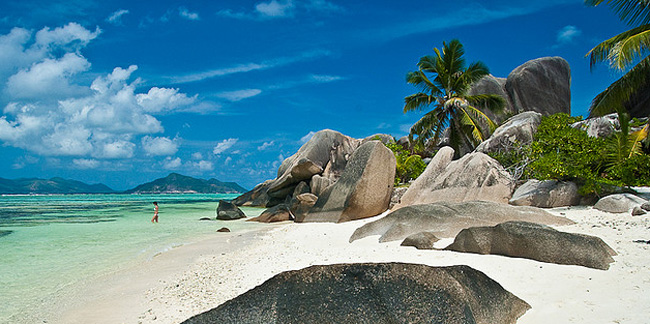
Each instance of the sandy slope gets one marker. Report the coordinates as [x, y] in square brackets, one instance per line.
[198, 277]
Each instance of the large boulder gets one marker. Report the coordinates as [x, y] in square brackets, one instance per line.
[446, 219]
[372, 293]
[302, 203]
[421, 241]
[542, 85]
[277, 213]
[599, 126]
[546, 194]
[517, 130]
[536, 242]
[325, 154]
[364, 189]
[492, 85]
[384, 138]
[229, 211]
[475, 176]
[619, 203]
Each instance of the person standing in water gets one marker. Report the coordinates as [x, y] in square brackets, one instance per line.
[155, 212]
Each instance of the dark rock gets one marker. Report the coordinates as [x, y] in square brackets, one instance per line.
[363, 190]
[536, 242]
[258, 196]
[542, 85]
[446, 219]
[319, 184]
[619, 203]
[404, 142]
[475, 176]
[302, 203]
[421, 241]
[646, 206]
[277, 213]
[205, 219]
[491, 85]
[229, 211]
[546, 194]
[301, 188]
[5, 233]
[224, 230]
[372, 293]
[638, 211]
[517, 130]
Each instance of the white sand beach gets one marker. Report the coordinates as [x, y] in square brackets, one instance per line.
[194, 278]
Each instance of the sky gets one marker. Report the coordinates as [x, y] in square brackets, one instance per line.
[124, 92]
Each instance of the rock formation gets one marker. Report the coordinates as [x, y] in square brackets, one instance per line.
[421, 241]
[446, 219]
[475, 176]
[542, 85]
[277, 213]
[228, 211]
[363, 190]
[492, 85]
[536, 242]
[600, 126]
[372, 293]
[517, 130]
[546, 194]
[619, 203]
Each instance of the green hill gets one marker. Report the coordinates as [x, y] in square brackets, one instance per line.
[50, 186]
[178, 183]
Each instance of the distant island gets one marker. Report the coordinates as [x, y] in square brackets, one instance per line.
[173, 183]
[178, 183]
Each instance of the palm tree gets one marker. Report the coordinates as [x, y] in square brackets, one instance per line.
[622, 51]
[446, 89]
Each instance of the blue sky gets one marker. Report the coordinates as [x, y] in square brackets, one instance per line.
[123, 92]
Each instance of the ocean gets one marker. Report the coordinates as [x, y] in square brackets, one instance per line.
[50, 242]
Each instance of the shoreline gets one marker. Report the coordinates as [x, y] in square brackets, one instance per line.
[193, 278]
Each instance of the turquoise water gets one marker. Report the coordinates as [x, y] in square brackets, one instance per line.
[50, 242]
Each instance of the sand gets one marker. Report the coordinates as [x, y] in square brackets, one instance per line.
[194, 278]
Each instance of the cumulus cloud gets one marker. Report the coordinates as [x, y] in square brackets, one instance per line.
[307, 137]
[568, 34]
[50, 113]
[171, 163]
[275, 8]
[203, 165]
[85, 163]
[116, 17]
[265, 145]
[224, 145]
[159, 145]
[184, 13]
[239, 95]
[197, 156]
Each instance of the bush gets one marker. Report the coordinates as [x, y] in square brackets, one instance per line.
[409, 166]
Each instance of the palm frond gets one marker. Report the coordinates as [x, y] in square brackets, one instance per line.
[631, 11]
[492, 102]
[470, 125]
[618, 93]
[475, 71]
[428, 126]
[422, 82]
[622, 49]
[637, 138]
[428, 63]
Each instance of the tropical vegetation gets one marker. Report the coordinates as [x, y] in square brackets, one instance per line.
[444, 80]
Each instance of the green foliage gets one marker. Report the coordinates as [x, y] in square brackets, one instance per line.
[409, 166]
[561, 152]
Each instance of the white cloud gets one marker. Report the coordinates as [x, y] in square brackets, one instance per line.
[265, 145]
[85, 163]
[239, 95]
[275, 8]
[224, 145]
[116, 150]
[227, 161]
[163, 99]
[205, 166]
[197, 156]
[568, 34]
[170, 164]
[116, 17]
[72, 35]
[307, 137]
[184, 13]
[325, 78]
[159, 145]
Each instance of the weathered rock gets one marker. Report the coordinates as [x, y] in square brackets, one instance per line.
[404, 142]
[205, 219]
[600, 126]
[302, 203]
[492, 85]
[638, 211]
[475, 176]
[396, 196]
[224, 230]
[446, 219]
[517, 130]
[619, 203]
[277, 213]
[542, 85]
[421, 241]
[384, 138]
[646, 206]
[546, 194]
[536, 242]
[326, 154]
[363, 190]
[300, 189]
[229, 211]
[372, 293]
[319, 184]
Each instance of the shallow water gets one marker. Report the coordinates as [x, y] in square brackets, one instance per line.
[50, 242]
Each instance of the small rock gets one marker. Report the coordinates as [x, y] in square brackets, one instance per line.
[638, 211]
[646, 206]
[204, 219]
[224, 230]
